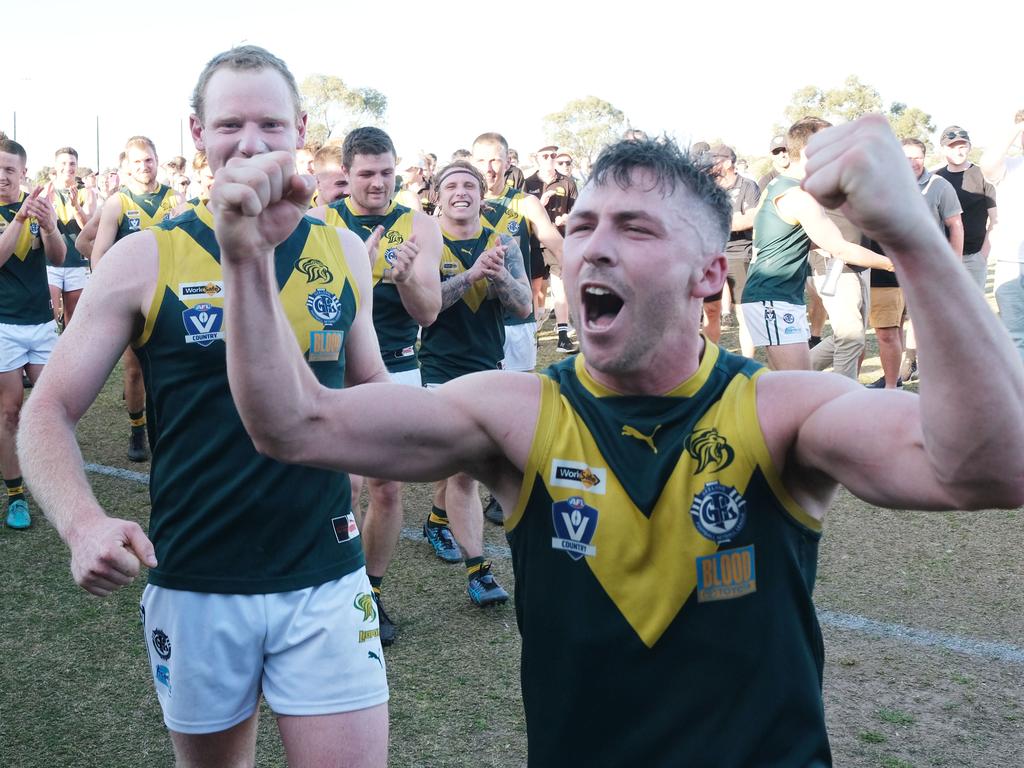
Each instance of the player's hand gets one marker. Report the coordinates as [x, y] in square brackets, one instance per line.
[860, 169]
[491, 263]
[37, 206]
[373, 243]
[401, 268]
[106, 554]
[23, 213]
[257, 202]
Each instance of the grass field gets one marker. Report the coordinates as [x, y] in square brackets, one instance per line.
[922, 613]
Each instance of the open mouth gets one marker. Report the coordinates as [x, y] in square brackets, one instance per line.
[460, 204]
[600, 306]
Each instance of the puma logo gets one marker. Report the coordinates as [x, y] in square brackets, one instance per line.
[628, 431]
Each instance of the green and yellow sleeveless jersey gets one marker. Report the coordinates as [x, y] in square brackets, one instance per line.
[143, 211]
[780, 269]
[664, 579]
[68, 225]
[396, 330]
[468, 336]
[24, 290]
[225, 519]
[504, 214]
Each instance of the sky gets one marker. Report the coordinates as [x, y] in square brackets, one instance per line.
[452, 70]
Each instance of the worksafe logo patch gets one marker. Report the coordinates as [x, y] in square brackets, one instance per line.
[578, 476]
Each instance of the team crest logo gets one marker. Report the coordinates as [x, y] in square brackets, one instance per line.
[161, 644]
[575, 524]
[394, 237]
[324, 306]
[203, 323]
[769, 315]
[788, 318]
[364, 603]
[513, 227]
[719, 512]
[314, 270]
[390, 255]
[579, 476]
[134, 220]
[710, 449]
[33, 227]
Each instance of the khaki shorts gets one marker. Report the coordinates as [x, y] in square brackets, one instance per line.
[887, 308]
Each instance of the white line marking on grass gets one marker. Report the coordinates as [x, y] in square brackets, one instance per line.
[926, 637]
[986, 649]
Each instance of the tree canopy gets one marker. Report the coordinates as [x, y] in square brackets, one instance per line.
[855, 99]
[585, 126]
[334, 107]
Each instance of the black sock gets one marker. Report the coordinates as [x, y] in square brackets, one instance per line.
[138, 421]
[375, 582]
[15, 489]
[438, 518]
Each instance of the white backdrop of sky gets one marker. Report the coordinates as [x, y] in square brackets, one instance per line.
[454, 69]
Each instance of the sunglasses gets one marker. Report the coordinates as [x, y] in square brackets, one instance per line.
[950, 135]
[779, 151]
[564, 162]
[547, 155]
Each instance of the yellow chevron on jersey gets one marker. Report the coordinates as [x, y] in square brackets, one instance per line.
[511, 203]
[397, 233]
[327, 268]
[646, 564]
[29, 231]
[136, 216]
[453, 264]
[66, 211]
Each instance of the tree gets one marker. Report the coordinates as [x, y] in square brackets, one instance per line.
[852, 100]
[585, 127]
[334, 106]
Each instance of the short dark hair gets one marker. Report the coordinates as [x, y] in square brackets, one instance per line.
[12, 147]
[800, 133]
[461, 154]
[366, 141]
[915, 143]
[670, 168]
[66, 151]
[243, 57]
[492, 138]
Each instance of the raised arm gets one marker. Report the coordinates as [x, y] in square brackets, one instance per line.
[542, 226]
[106, 231]
[382, 430]
[993, 161]
[797, 205]
[960, 444]
[105, 552]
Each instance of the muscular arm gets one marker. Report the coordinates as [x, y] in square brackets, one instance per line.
[421, 290]
[105, 552]
[87, 237]
[454, 288]
[960, 444]
[511, 286]
[377, 429]
[542, 226]
[107, 230]
[797, 205]
[363, 363]
[9, 238]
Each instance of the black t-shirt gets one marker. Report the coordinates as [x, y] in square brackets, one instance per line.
[744, 194]
[561, 202]
[515, 177]
[976, 197]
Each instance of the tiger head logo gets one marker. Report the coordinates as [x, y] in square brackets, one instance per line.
[395, 238]
[710, 450]
[314, 270]
[364, 603]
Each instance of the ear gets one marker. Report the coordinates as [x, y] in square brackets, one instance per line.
[301, 131]
[196, 129]
[711, 282]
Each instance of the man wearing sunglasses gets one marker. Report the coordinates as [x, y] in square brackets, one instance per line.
[977, 198]
[557, 193]
[1008, 238]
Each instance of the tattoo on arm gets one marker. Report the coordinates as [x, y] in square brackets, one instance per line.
[513, 290]
[454, 289]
